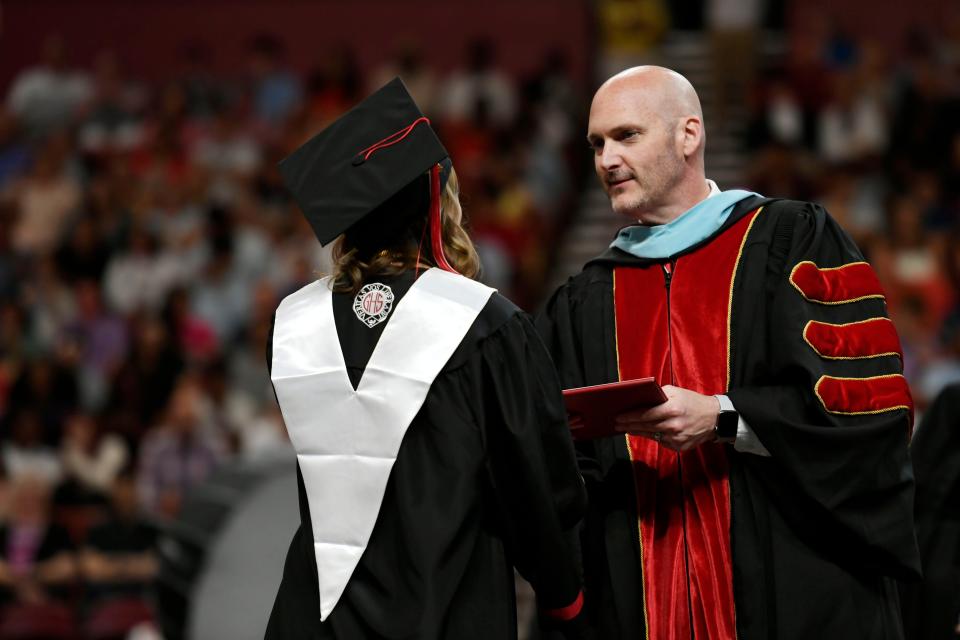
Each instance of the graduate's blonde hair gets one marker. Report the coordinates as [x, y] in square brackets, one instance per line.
[350, 272]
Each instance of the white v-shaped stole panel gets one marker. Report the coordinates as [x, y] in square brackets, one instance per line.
[347, 440]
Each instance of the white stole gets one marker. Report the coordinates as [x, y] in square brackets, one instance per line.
[347, 440]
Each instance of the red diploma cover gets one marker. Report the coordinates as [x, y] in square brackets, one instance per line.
[600, 404]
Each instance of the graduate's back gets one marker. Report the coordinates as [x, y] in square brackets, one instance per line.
[485, 472]
[432, 445]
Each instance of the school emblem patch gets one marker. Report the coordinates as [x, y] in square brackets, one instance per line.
[373, 303]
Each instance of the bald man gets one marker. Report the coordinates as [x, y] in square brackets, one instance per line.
[770, 496]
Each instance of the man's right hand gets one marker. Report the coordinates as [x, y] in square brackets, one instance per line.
[685, 421]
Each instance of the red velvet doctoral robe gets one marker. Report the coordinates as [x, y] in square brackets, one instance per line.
[778, 311]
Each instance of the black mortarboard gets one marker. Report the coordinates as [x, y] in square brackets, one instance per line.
[344, 173]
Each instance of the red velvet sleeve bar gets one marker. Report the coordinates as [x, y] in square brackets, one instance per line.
[860, 396]
[836, 285]
[871, 338]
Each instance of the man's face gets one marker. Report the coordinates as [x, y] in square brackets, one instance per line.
[636, 151]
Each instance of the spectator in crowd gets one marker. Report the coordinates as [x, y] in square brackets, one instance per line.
[852, 127]
[221, 297]
[226, 407]
[45, 200]
[46, 387]
[91, 461]
[480, 81]
[25, 453]
[111, 121]
[48, 96]
[265, 435]
[912, 263]
[550, 102]
[334, 87]
[245, 371]
[139, 276]
[924, 122]
[142, 385]
[178, 453]
[778, 116]
[36, 557]
[119, 558]
[194, 338]
[203, 90]
[942, 368]
[83, 255]
[276, 91]
[227, 155]
[15, 152]
[417, 76]
[734, 27]
[178, 222]
[50, 303]
[857, 200]
[102, 340]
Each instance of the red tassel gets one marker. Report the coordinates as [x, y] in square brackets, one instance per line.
[436, 227]
[392, 139]
[568, 612]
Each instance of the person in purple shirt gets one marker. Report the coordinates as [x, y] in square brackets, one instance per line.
[178, 454]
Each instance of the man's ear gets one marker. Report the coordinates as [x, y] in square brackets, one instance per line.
[691, 135]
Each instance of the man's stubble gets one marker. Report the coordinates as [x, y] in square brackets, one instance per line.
[664, 174]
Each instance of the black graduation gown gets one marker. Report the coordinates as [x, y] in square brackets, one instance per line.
[932, 608]
[485, 480]
[820, 529]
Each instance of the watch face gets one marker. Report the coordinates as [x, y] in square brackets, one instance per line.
[727, 423]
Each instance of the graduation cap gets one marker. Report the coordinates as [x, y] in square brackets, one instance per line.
[362, 171]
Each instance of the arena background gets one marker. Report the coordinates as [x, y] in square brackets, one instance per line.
[145, 237]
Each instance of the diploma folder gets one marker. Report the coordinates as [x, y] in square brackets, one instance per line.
[600, 404]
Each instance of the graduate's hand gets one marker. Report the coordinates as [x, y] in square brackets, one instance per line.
[686, 420]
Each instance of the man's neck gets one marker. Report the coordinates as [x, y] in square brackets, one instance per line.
[685, 199]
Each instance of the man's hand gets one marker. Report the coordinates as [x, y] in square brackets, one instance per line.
[686, 420]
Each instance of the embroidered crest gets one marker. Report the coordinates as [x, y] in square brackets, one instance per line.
[373, 303]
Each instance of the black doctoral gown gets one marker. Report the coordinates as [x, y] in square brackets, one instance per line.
[485, 480]
[932, 607]
[820, 530]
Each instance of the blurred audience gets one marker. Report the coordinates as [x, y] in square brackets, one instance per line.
[146, 238]
[878, 143]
